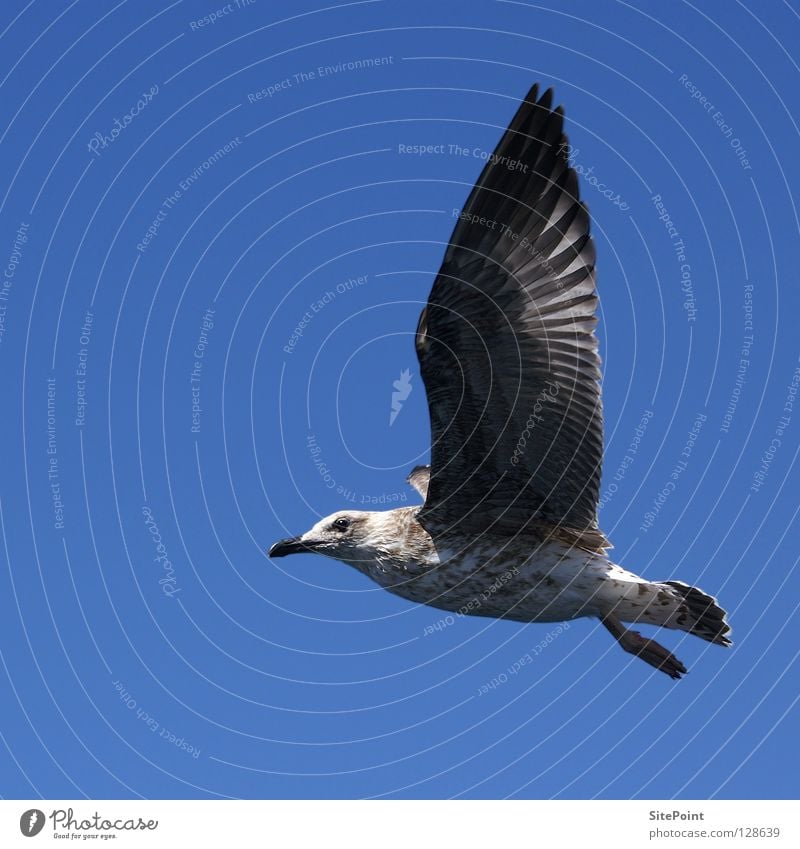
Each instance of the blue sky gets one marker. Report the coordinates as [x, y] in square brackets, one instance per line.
[216, 238]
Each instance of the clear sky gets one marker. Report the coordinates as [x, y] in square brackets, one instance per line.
[218, 226]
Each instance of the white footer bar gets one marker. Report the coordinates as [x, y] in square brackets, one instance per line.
[401, 824]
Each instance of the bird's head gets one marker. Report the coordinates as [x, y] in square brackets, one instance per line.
[354, 536]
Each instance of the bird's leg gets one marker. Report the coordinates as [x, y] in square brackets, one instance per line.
[648, 650]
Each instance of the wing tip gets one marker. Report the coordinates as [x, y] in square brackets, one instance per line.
[546, 99]
[533, 94]
[543, 101]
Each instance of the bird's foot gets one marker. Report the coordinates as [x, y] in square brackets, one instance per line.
[648, 650]
[653, 653]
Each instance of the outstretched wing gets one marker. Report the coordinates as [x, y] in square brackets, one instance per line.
[507, 348]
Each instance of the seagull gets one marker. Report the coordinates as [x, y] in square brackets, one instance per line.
[509, 357]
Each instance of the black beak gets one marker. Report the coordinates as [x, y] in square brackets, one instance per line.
[293, 545]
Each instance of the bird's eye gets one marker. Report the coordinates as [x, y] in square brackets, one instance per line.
[341, 524]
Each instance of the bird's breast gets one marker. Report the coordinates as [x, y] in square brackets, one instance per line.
[526, 581]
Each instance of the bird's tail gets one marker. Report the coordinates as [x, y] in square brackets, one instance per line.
[697, 613]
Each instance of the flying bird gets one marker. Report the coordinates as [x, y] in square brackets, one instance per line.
[509, 357]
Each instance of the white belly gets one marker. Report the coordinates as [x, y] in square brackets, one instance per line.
[551, 584]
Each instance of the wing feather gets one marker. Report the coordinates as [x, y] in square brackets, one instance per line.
[507, 347]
